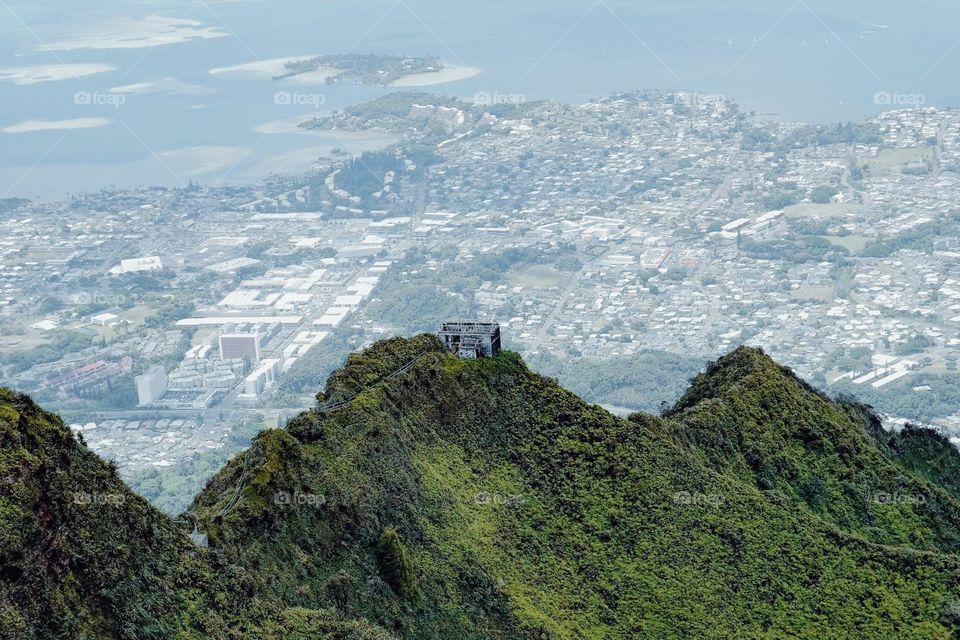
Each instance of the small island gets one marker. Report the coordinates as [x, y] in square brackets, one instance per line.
[371, 69]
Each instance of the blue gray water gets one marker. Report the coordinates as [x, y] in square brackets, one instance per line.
[807, 60]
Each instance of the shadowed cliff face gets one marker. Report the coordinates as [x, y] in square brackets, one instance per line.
[436, 497]
[81, 556]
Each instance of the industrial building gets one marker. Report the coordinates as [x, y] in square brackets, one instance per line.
[240, 346]
[138, 265]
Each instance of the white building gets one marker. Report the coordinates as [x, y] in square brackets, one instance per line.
[151, 385]
[137, 265]
[262, 377]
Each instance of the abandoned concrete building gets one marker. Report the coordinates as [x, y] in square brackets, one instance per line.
[471, 339]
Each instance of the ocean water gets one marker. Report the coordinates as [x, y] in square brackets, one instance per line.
[806, 60]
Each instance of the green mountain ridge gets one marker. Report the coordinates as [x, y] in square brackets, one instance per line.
[427, 496]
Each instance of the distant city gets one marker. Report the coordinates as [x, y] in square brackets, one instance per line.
[158, 320]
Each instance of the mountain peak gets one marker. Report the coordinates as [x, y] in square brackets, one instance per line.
[375, 363]
[436, 496]
[737, 371]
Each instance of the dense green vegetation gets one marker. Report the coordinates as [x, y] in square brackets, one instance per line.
[476, 499]
[81, 556]
[366, 68]
[757, 139]
[924, 452]
[389, 112]
[781, 199]
[64, 342]
[919, 238]
[794, 248]
[823, 194]
[747, 419]
[917, 343]
[364, 176]
[399, 104]
[394, 564]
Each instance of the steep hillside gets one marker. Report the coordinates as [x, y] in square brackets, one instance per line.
[446, 498]
[527, 513]
[926, 453]
[753, 419]
[66, 557]
[81, 556]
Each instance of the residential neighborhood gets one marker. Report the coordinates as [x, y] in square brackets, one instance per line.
[155, 320]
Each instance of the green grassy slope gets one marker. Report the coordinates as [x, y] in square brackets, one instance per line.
[83, 557]
[528, 513]
[754, 420]
[447, 498]
[66, 526]
[926, 453]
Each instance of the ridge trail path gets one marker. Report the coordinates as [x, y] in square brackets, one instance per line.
[330, 406]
